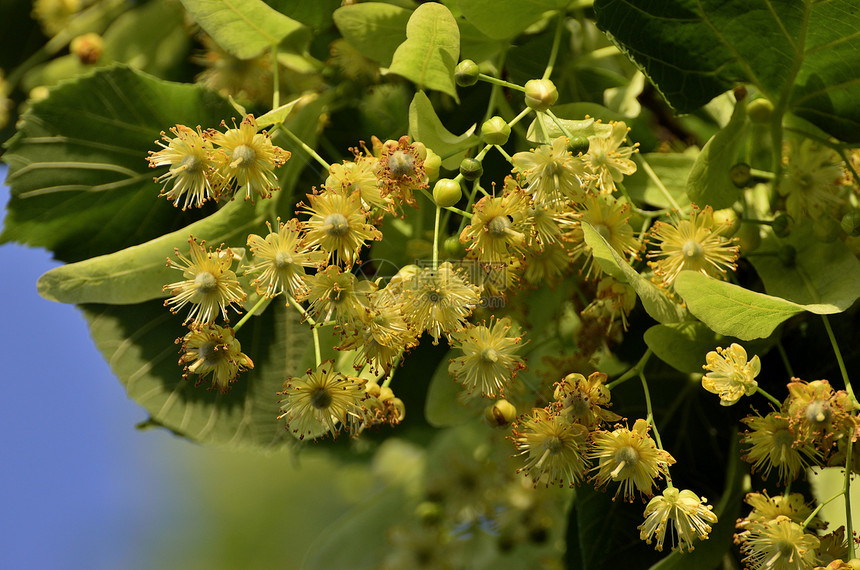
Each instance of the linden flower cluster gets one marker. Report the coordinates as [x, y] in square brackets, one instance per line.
[814, 426]
[205, 165]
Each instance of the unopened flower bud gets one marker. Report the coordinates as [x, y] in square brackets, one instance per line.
[453, 248]
[541, 94]
[466, 73]
[471, 169]
[500, 414]
[447, 192]
[741, 175]
[87, 48]
[727, 221]
[495, 131]
[851, 223]
[432, 164]
[760, 111]
[578, 144]
[782, 225]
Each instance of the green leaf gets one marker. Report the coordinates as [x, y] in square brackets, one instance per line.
[732, 310]
[430, 52]
[693, 50]
[425, 126]
[80, 182]
[710, 182]
[825, 275]
[583, 127]
[245, 28]
[657, 304]
[278, 115]
[373, 28]
[684, 345]
[500, 19]
[442, 407]
[137, 342]
[672, 169]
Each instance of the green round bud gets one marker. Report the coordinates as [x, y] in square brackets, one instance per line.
[578, 144]
[541, 94]
[826, 229]
[782, 225]
[727, 221]
[787, 254]
[447, 192]
[759, 111]
[749, 238]
[471, 169]
[495, 131]
[432, 164]
[453, 248]
[851, 223]
[741, 175]
[466, 73]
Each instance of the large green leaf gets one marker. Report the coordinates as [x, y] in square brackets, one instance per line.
[441, 408]
[710, 182]
[500, 19]
[430, 52]
[693, 50]
[823, 274]
[657, 304]
[246, 27]
[671, 169]
[732, 310]
[373, 28]
[425, 126]
[80, 182]
[137, 342]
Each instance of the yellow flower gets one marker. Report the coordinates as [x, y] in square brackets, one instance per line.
[554, 448]
[189, 156]
[382, 336]
[402, 171]
[820, 415]
[547, 265]
[608, 160]
[612, 300]
[212, 349]
[812, 179]
[773, 444]
[630, 457]
[584, 400]
[321, 401]
[694, 244]
[359, 176]
[209, 283]
[688, 515]
[249, 158]
[766, 508]
[438, 301]
[338, 224]
[495, 233]
[730, 374]
[333, 292]
[552, 173]
[489, 360]
[281, 257]
[609, 218]
[780, 544]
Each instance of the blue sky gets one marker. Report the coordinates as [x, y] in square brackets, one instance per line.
[79, 486]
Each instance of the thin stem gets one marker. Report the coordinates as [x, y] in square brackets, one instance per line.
[539, 119]
[518, 118]
[436, 239]
[818, 509]
[632, 372]
[785, 361]
[305, 147]
[248, 315]
[556, 40]
[503, 153]
[499, 82]
[276, 91]
[476, 185]
[394, 364]
[314, 328]
[846, 490]
[839, 359]
[301, 309]
[773, 400]
[654, 178]
[650, 420]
